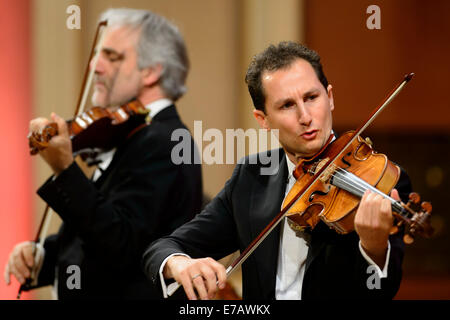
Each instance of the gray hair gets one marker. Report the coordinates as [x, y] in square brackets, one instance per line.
[160, 42]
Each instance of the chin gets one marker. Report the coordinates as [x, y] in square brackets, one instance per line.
[98, 102]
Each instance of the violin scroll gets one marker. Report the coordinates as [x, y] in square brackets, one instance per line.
[39, 141]
[420, 223]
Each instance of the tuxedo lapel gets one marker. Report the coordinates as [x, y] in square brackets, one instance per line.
[265, 204]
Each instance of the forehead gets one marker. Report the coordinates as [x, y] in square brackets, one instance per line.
[120, 38]
[299, 75]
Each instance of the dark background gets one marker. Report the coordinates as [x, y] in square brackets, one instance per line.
[414, 131]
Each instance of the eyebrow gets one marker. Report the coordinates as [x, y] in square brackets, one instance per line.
[306, 94]
[111, 51]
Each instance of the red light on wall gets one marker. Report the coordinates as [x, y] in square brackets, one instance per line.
[15, 162]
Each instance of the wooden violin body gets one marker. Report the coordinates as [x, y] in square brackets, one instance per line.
[335, 196]
[326, 200]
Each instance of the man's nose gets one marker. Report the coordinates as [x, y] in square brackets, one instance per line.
[304, 115]
[97, 66]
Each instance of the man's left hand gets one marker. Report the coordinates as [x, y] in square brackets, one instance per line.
[373, 223]
[58, 153]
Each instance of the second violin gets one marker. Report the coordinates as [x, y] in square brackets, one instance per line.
[96, 129]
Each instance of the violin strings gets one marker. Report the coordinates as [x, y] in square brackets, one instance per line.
[360, 187]
[339, 176]
[342, 179]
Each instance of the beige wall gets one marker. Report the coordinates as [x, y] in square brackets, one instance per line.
[221, 37]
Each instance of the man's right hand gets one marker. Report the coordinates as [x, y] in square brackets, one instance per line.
[20, 262]
[205, 275]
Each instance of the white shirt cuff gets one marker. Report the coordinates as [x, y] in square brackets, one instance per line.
[381, 273]
[161, 276]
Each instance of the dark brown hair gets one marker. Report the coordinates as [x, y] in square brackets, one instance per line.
[275, 58]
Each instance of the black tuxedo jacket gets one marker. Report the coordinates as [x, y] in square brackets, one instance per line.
[107, 225]
[335, 267]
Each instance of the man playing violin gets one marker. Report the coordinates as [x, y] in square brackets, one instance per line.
[291, 94]
[138, 194]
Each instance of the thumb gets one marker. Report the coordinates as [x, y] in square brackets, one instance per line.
[29, 254]
[395, 195]
[62, 124]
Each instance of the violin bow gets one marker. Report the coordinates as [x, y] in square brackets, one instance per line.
[275, 221]
[87, 81]
[89, 73]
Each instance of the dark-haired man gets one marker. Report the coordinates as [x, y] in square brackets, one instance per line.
[291, 94]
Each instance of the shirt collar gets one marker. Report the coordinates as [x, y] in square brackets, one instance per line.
[291, 167]
[156, 106]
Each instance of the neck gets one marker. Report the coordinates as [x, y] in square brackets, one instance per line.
[149, 95]
[291, 157]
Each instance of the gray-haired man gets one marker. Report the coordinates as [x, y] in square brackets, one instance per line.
[139, 194]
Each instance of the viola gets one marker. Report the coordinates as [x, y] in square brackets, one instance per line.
[335, 196]
[96, 129]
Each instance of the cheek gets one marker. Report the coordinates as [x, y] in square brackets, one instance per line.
[288, 129]
[128, 81]
[329, 119]
[324, 117]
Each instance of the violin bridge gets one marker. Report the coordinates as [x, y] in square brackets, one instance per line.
[328, 173]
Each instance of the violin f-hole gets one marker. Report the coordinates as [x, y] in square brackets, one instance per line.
[345, 161]
[319, 192]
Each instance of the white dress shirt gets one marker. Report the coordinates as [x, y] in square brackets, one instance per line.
[292, 255]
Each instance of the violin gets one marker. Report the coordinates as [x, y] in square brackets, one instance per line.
[335, 196]
[96, 129]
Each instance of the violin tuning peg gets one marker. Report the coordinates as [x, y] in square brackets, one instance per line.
[414, 197]
[426, 206]
[34, 151]
[408, 239]
[394, 230]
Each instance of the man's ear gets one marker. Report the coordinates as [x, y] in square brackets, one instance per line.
[330, 96]
[151, 75]
[261, 117]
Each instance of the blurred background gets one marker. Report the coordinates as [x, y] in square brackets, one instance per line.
[42, 63]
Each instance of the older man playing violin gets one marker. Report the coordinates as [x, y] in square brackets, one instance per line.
[138, 193]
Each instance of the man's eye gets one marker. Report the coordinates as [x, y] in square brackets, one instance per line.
[113, 57]
[311, 97]
[287, 105]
